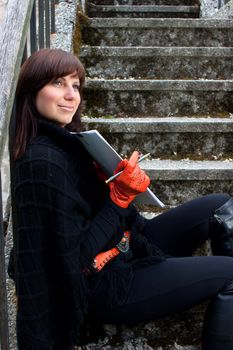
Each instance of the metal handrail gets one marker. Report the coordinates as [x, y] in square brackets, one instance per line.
[42, 25]
[26, 27]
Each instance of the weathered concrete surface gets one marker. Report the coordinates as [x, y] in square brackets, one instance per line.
[208, 7]
[176, 192]
[170, 138]
[151, 125]
[156, 335]
[158, 62]
[215, 9]
[175, 182]
[158, 98]
[11, 295]
[157, 32]
[65, 14]
[143, 11]
[146, 2]
[225, 12]
[188, 170]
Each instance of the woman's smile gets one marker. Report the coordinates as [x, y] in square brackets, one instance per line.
[68, 108]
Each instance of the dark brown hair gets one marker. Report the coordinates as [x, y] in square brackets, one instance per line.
[39, 69]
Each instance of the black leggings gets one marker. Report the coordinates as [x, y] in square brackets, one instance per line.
[181, 281]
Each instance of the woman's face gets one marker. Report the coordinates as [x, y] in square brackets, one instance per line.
[59, 100]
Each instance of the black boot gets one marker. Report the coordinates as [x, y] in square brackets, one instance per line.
[222, 230]
[218, 323]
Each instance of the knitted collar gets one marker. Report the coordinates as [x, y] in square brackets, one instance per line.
[56, 132]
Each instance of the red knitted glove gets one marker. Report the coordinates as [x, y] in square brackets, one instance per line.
[132, 181]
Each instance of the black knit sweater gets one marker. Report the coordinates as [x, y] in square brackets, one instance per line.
[64, 217]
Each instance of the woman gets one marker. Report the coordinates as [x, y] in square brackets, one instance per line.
[84, 255]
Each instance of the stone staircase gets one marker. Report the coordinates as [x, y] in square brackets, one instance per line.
[164, 86]
[160, 80]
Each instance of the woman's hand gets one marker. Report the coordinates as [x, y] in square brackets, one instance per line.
[132, 181]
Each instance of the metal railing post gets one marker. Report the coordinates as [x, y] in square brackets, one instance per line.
[47, 23]
[41, 23]
[53, 3]
[221, 3]
[33, 23]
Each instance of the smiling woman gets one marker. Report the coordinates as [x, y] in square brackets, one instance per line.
[59, 100]
[84, 254]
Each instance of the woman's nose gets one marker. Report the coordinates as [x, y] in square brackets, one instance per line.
[70, 93]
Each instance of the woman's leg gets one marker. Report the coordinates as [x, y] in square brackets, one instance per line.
[178, 283]
[181, 230]
[165, 288]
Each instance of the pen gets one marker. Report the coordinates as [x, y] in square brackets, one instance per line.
[116, 175]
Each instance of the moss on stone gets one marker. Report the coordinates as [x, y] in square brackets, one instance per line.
[82, 21]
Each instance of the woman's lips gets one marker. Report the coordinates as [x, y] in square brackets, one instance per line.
[67, 108]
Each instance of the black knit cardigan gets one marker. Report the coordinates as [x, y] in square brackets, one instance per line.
[63, 218]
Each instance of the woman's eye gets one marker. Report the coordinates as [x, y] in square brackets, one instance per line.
[57, 82]
[76, 87]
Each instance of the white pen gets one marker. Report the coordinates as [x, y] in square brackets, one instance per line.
[117, 174]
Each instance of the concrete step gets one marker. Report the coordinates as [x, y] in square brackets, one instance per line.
[170, 333]
[157, 32]
[170, 138]
[162, 11]
[175, 182]
[145, 2]
[158, 62]
[158, 98]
